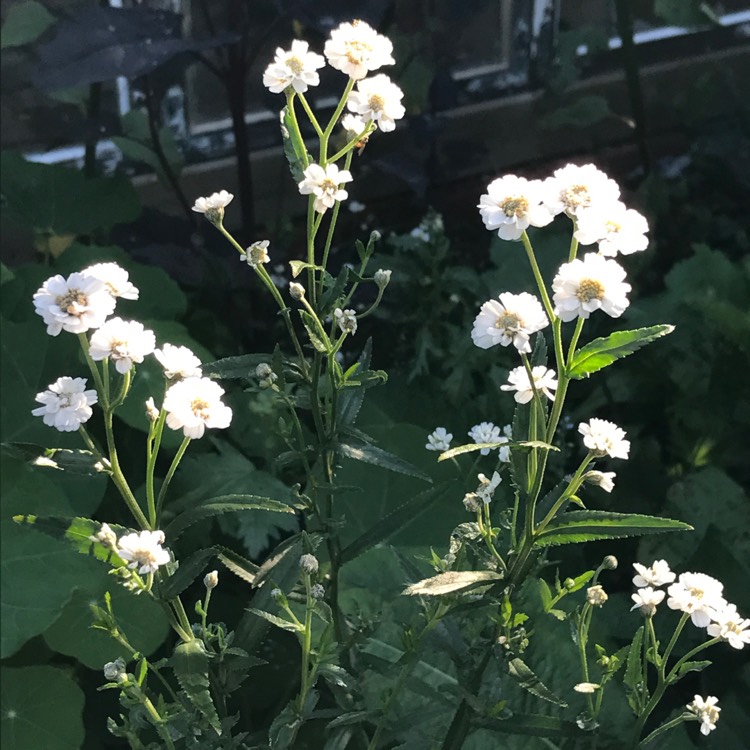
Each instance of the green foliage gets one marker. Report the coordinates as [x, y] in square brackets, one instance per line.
[24, 23]
[526, 678]
[190, 664]
[453, 583]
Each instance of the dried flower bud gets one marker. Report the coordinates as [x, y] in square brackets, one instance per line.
[382, 277]
[297, 291]
[596, 596]
[266, 375]
[317, 591]
[211, 580]
[472, 502]
[152, 413]
[610, 562]
[309, 564]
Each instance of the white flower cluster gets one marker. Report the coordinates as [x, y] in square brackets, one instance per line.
[140, 550]
[487, 432]
[707, 712]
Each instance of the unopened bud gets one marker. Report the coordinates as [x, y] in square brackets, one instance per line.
[309, 564]
[151, 411]
[610, 562]
[211, 580]
[277, 595]
[603, 479]
[113, 670]
[596, 596]
[105, 536]
[297, 291]
[317, 591]
[569, 584]
[375, 235]
[382, 277]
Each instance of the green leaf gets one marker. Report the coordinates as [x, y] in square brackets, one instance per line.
[533, 725]
[231, 368]
[600, 353]
[318, 337]
[189, 569]
[42, 707]
[526, 678]
[279, 622]
[62, 459]
[24, 22]
[216, 506]
[238, 565]
[351, 400]
[298, 266]
[371, 454]
[587, 525]
[294, 148]
[689, 13]
[692, 666]
[633, 678]
[472, 447]
[453, 582]
[190, 665]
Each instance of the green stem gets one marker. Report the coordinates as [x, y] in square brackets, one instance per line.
[124, 388]
[309, 112]
[332, 122]
[170, 473]
[306, 647]
[666, 727]
[538, 277]
[158, 722]
[572, 487]
[573, 245]
[295, 127]
[103, 397]
[90, 444]
[574, 340]
[689, 655]
[153, 443]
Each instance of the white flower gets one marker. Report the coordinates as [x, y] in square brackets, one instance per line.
[604, 438]
[256, 254]
[211, 580]
[596, 596]
[511, 320]
[487, 487]
[194, 404]
[105, 536]
[378, 99]
[324, 185]
[296, 67]
[512, 204]
[573, 188]
[439, 440]
[115, 278]
[346, 319]
[698, 595]
[215, 202]
[356, 48]
[603, 479]
[615, 227]
[75, 304]
[125, 342]
[658, 574]
[586, 687]
[730, 626]
[143, 551]
[178, 362]
[485, 432]
[646, 600]
[518, 380]
[354, 127]
[503, 452]
[592, 283]
[707, 712]
[66, 404]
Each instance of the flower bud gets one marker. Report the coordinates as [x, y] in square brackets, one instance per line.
[105, 536]
[152, 413]
[569, 584]
[382, 277]
[309, 564]
[317, 591]
[603, 479]
[278, 596]
[114, 670]
[297, 291]
[596, 596]
[266, 375]
[211, 580]
[472, 502]
[375, 235]
[610, 562]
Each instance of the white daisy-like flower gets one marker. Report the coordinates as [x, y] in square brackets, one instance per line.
[583, 286]
[698, 595]
[518, 380]
[66, 404]
[194, 404]
[296, 67]
[574, 188]
[377, 99]
[658, 574]
[487, 487]
[324, 185]
[603, 479]
[513, 204]
[485, 432]
[646, 600]
[125, 342]
[617, 229]
[356, 48]
[604, 438]
[707, 712]
[143, 551]
[730, 626]
[354, 126]
[346, 320]
[586, 687]
[213, 206]
[256, 254]
[511, 320]
[116, 279]
[178, 362]
[439, 440]
[503, 452]
[75, 304]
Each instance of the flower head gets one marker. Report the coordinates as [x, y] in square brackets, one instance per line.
[75, 304]
[115, 278]
[707, 712]
[378, 100]
[66, 404]
[487, 487]
[596, 596]
[698, 595]
[125, 342]
[265, 374]
[309, 564]
[114, 671]
[616, 228]
[603, 479]
[574, 188]
[354, 125]
[511, 320]
[143, 551]
[589, 284]
[604, 438]
[296, 67]
[503, 452]
[213, 206]
[178, 362]
[586, 687]
[646, 600]
[518, 381]
[485, 432]
[658, 574]
[346, 320]
[730, 626]
[512, 204]
[256, 254]
[324, 183]
[439, 440]
[194, 404]
[356, 48]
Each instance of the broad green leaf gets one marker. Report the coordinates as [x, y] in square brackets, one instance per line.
[525, 677]
[533, 725]
[62, 459]
[42, 708]
[230, 368]
[216, 506]
[587, 525]
[371, 454]
[189, 569]
[601, 353]
[190, 665]
[452, 582]
[24, 22]
[279, 622]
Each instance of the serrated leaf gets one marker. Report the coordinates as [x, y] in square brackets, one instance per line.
[692, 666]
[241, 567]
[587, 525]
[472, 447]
[318, 338]
[452, 582]
[190, 665]
[350, 401]
[526, 679]
[334, 291]
[371, 454]
[230, 368]
[600, 353]
[530, 724]
[216, 506]
[279, 622]
[634, 671]
[62, 459]
[189, 569]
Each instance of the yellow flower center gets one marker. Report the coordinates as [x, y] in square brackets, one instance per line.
[515, 206]
[72, 302]
[295, 65]
[200, 408]
[376, 103]
[590, 289]
[328, 186]
[508, 321]
[613, 227]
[576, 195]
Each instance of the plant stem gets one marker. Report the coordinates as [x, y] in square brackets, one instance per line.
[305, 682]
[170, 473]
[153, 443]
[332, 123]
